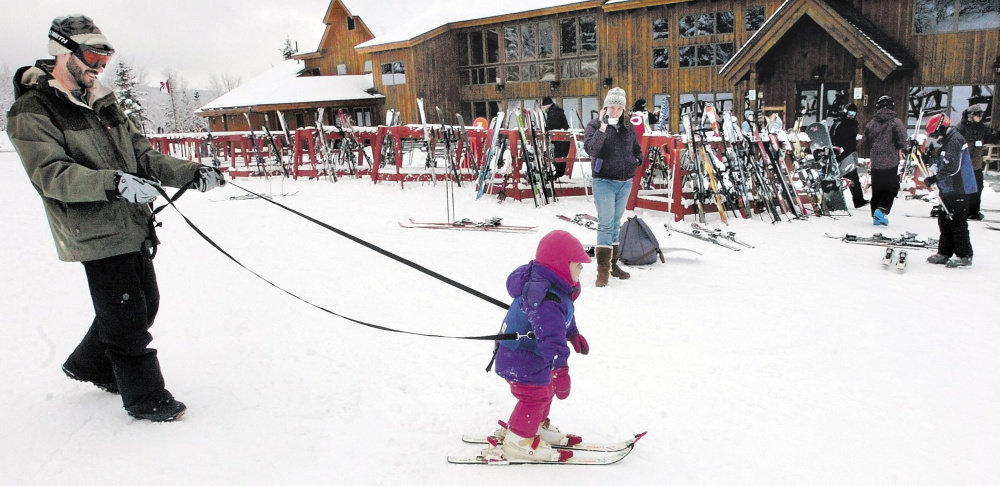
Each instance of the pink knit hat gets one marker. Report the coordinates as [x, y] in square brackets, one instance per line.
[558, 249]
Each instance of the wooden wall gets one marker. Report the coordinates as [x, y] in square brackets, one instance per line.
[337, 45]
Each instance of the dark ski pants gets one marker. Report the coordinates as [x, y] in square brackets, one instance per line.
[955, 231]
[975, 200]
[857, 192]
[126, 298]
[885, 187]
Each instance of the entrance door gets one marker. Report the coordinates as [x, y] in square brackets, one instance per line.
[820, 101]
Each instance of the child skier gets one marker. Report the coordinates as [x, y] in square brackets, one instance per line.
[952, 167]
[536, 367]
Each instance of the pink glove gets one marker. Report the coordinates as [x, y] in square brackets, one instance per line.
[580, 344]
[560, 382]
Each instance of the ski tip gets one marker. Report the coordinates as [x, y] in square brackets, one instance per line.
[639, 436]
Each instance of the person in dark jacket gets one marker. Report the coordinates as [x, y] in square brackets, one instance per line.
[96, 175]
[951, 167]
[844, 134]
[536, 368]
[555, 119]
[884, 138]
[614, 149]
[976, 134]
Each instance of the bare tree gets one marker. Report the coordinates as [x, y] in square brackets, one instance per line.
[223, 83]
[6, 94]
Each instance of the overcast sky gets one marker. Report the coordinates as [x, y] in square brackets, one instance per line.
[199, 38]
[195, 38]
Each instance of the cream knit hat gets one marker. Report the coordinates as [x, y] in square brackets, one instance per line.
[615, 97]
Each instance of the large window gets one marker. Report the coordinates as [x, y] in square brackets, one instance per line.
[707, 24]
[693, 104]
[393, 73]
[701, 55]
[661, 58]
[549, 50]
[480, 52]
[935, 16]
[948, 99]
[661, 29]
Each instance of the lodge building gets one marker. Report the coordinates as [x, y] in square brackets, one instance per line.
[808, 57]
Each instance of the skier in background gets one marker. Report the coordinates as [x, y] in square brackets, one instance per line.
[537, 369]
[976, 134]
[884, 138]
[96, 175]
[614, 147]
[951, 167]
[555, 119]
[844, 134]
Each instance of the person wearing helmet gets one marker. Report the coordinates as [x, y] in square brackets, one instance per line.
[951, 169]
[884, 138]
[844, 134]
[976, 134]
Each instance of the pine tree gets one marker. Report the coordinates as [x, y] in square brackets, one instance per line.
[288, 50]
[130, 97]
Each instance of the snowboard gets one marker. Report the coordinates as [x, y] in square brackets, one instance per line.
[822, 149]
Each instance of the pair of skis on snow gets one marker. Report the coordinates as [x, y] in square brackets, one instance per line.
[491, 224]
[727, 239]
[900, 257]
[598, 454]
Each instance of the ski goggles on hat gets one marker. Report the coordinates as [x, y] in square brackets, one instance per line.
[852, 113]
[92, 56]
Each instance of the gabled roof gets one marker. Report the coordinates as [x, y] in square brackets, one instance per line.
[282, 86]
[862, 38]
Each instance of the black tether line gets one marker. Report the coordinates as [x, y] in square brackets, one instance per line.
[493, 337]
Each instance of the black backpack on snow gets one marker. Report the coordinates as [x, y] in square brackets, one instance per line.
[637, 244]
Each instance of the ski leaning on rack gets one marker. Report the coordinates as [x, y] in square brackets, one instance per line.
[909, 240]
[492, 455]
[492, 224]
[711, 237]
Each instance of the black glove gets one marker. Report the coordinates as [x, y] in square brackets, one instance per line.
[135, 189]
[930, 180]
[208, 178]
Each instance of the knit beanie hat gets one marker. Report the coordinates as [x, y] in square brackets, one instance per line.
[546, 101]
[557, 250]
[81, 29]
[615, 97]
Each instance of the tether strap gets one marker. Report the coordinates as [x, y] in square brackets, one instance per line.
[494, 337]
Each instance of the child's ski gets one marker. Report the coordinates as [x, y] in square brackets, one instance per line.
[887, 259]
[583, 446]
[493, 456]
[711, 237]
[901, 260]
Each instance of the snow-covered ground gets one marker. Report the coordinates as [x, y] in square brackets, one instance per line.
[801, 361]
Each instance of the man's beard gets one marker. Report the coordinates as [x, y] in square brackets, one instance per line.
[76, 69]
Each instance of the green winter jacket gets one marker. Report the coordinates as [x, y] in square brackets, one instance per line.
[71, 152]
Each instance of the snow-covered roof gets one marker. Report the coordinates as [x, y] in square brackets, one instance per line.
[282, 85]
[421, 19]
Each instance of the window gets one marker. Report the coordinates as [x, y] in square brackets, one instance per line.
[341, 69]
[661, 58]
[753, 18]
[661, 29]
[350, 23]
[950, 99]
[530, 53]
[707, 24]
[479, 49]
[702, 55]
[368, 66]
[393, 73]
[936, 16]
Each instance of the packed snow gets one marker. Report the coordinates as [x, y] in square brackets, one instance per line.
[800, 361]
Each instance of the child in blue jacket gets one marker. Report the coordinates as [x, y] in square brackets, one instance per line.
[536, 367]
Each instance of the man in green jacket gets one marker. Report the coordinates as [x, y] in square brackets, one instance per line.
[97, 176]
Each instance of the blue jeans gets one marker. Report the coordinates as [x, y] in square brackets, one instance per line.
[610, 197]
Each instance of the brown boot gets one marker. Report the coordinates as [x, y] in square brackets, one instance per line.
[603, 254]
[617, 271]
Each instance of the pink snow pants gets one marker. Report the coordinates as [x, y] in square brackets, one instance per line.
[533, 403]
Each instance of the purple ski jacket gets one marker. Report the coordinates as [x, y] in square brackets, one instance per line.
[543, 305]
